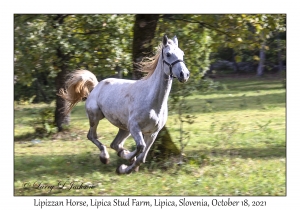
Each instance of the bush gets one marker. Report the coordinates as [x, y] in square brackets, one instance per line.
[43, 124]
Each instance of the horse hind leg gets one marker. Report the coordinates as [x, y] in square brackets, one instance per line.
[94, 117]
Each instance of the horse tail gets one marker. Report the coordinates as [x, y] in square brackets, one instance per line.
[77, 87]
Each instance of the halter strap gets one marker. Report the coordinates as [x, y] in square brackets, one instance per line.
[170, 65]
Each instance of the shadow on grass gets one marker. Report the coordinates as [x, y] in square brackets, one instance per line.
[59, 166]
[24, 137]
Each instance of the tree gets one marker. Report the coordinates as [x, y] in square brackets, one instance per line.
[60, 118]
[238, 32]
[53, 45]
[144, 31]
[262, 55]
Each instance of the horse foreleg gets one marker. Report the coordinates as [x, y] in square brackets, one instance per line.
[124, 169]
[139, 139]
[118, 145]
[149, 142]
[127, 155]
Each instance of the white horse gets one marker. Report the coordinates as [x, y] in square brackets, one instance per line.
[137, 107]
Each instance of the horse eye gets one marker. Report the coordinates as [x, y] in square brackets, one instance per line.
[168, 54]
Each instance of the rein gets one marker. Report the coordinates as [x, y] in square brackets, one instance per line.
[170, 64]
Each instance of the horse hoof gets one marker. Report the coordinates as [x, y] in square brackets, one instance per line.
[119, 153]
[121, 169]
[104, 160]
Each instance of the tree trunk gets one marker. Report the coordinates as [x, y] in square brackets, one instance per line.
[260, 68]
[144, 31]
[236, 67]
[280, 65]
[120, 72]
[60, 118]
[163, 146]
[40, 90]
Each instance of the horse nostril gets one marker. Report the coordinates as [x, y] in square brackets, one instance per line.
[181, 74]
[188, 75]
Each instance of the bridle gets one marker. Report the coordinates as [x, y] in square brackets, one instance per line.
[170, 65]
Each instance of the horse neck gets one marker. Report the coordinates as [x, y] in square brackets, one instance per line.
[160, 85]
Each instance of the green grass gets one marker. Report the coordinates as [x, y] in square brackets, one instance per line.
[237, 147]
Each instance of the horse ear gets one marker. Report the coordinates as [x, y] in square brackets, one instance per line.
[165, 40]
[175, 40]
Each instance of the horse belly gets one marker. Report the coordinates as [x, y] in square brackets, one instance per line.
[117, 119]
[119, 124]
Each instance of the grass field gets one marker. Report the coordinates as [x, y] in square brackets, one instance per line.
[237, 147]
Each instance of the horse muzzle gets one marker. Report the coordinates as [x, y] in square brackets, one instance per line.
[184, 76]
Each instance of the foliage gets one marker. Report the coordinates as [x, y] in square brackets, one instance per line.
[43, 124]
[98, 43]
[235, 35]
[195, 43]
[103, 43]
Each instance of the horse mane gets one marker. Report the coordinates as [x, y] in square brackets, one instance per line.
[148, 64]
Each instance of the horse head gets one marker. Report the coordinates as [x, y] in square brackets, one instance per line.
[172, 56]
